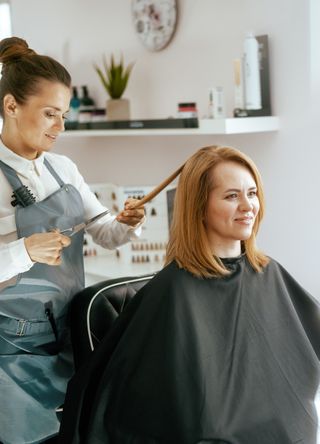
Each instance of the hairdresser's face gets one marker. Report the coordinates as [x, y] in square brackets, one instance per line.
[37, 123]
[231, 209]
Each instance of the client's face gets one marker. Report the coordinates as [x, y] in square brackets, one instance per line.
[231, 209]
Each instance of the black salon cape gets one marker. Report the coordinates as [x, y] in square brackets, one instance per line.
[195, 360]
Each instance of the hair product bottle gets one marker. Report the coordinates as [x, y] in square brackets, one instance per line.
[86, 106]
[216, 103]
[251, 70]
[238, 84]
[73, 114]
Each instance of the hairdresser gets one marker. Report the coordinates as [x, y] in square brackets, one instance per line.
[41, 268]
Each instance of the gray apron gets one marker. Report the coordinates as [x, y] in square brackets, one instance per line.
[35, 351]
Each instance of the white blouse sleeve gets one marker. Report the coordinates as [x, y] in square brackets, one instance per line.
[107, 231]
[14, 259]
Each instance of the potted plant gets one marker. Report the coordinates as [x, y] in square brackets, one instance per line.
[114, 77]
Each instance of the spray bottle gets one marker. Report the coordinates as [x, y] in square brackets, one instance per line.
[251, 73]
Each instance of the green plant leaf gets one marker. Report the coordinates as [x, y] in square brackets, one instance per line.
[114, 76]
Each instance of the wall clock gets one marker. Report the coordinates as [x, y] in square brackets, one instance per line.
[154, 22]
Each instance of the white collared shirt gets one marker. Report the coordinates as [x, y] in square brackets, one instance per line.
[14, 258]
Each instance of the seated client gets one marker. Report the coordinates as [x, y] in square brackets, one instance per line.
[221, 346]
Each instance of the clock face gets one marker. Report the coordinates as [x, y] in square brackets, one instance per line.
[154, 22]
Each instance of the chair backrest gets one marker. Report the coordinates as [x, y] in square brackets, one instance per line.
[94, 309]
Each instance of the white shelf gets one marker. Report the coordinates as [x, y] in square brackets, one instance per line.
[240, 125]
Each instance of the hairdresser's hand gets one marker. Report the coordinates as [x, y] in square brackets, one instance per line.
[130, 216]
[46, 248]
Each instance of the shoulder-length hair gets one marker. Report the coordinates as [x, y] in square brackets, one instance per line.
[188, 241]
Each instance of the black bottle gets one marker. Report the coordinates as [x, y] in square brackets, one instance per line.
[87, 106]
[86, 100]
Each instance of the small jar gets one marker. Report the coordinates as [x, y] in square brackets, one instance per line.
[98, 115]
[187, 110]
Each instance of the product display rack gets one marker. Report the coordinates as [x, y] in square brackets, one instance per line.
[239, 125]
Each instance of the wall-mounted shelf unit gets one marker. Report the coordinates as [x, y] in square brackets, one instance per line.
[239, 125]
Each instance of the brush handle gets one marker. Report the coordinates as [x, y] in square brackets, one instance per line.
[156, 190]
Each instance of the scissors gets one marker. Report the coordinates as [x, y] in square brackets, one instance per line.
[76, 228]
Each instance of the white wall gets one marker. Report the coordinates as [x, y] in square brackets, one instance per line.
[209, 36]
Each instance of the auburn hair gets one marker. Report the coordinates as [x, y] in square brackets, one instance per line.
[188, 241]
[23, 68]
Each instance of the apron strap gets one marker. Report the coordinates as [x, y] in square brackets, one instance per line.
[53, 172]
[11, 176]
[21, 194]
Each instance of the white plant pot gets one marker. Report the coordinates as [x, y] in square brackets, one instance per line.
[118, 109]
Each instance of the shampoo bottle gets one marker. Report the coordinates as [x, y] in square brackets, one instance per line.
[251, 73]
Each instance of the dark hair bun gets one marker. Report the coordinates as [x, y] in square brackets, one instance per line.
[14, 48]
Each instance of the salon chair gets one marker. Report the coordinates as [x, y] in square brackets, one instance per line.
[94, 309]
[92, 313]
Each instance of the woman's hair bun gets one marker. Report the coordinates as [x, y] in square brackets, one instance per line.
[14, 48]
